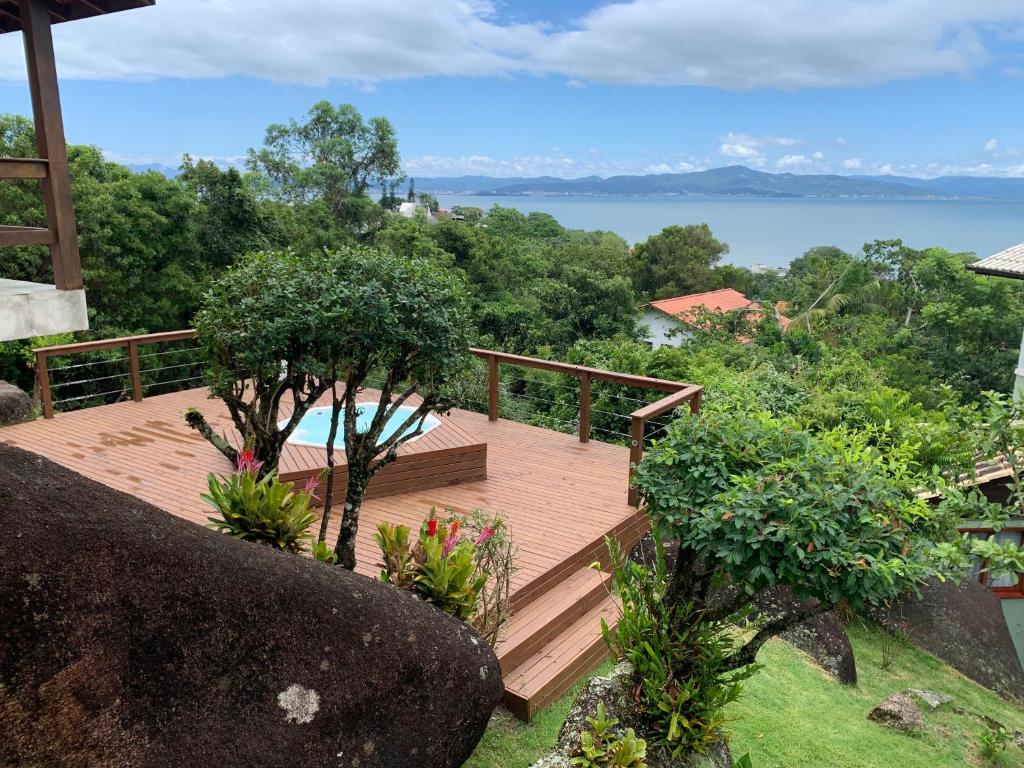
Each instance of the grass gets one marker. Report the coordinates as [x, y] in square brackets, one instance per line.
[793, 715]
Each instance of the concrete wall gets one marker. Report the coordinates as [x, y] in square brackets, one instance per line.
[33, 309]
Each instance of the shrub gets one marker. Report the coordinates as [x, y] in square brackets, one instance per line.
[467, 576]
[601, 748]
[261, 509]
[679, 659]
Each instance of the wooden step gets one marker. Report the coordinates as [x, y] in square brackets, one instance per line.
[551, 614]
[25, 236]
[558, 664]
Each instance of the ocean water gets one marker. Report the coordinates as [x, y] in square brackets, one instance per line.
[775, 231]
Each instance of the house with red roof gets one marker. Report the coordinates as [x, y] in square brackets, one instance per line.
[670, 321]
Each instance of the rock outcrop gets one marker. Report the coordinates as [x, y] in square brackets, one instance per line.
[962, 624]
[131, 638]
[15, 405]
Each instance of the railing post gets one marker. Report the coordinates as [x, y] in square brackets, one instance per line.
[584, 407]
[43, 380]
[133, 365]
[636, 453]
[695, 402]
[492, 388]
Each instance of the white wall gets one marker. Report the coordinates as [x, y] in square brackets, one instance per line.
[659, 325]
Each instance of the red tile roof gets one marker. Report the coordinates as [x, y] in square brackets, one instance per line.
[723, 300]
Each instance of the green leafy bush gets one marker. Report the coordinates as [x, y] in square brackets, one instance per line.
[680, 660]
[600, 747]
[261, 509]
[446, 569]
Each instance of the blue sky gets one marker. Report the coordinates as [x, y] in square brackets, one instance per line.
[920, 87]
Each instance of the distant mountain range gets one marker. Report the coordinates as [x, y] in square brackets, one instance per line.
[734, 181]
[731, 181]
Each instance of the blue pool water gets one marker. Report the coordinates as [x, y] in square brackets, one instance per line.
[316, 425]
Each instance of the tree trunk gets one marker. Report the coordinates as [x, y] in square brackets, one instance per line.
[345, 549]
[329, 490]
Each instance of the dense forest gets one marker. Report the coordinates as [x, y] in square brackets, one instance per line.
[890, 339]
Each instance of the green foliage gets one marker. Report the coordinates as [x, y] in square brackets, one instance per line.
[323, 167]
[771, 504]
[323, 553]
[994, 742]
[743, 762]
[677, 261]
[441, 567]
[680, 658]
[601, 747]
[261, 509]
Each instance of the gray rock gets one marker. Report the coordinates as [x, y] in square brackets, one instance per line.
[932, 699]
[614, 692]
[823, 638]
[899, 711]
[952, 621]
[15, 405]
[132, 638]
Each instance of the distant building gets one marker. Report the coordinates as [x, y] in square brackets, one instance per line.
[1008, 263]
[764, 269]
[410, 209]
[670, 321]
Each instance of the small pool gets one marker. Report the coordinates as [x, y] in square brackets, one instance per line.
[316, 425]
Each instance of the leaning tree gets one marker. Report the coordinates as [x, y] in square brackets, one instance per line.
[399, 332]
[261, 331]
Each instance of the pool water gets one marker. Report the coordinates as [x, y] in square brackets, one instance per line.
[315, 426]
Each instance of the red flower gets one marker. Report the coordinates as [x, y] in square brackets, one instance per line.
[485, 534]
[247, 463]
[432, 527]
[455, 528]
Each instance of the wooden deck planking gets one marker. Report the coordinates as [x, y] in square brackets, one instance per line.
[560, 496]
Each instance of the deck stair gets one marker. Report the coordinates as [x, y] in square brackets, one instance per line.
[555, 639]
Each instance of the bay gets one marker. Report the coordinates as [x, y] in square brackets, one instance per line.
[774, 231]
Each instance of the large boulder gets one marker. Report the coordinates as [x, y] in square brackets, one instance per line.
[962, 624]
[131, 638]
[15, 405]
[823, 638]
[615, 692]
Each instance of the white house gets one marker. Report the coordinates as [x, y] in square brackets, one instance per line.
[410, 209]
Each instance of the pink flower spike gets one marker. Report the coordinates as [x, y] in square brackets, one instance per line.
[449, 545]
[485, 534]
[311, 485]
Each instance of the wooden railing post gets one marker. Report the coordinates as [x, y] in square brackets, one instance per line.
[584, 407]
[636, 453]
[133, 365]
[492, 388]
[695, 402]
[43, 381]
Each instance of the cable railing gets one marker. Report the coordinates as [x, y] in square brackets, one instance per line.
[131, 371]
[575, 399]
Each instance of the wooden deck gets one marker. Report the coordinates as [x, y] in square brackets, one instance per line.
[561, 498]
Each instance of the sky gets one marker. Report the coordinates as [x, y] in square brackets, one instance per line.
[568, 88]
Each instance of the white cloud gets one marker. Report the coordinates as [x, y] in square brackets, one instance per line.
[747, 147]
[735, 44]
[553, 164]
[840, 140]
[818, 155]
[1017, 72]
[990, 145]
[852, 164]
[792, 162]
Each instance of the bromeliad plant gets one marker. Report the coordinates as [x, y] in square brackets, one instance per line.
[261, 509]
[464, 575]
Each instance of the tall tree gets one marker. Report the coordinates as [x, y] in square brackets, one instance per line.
[677, 261]
[329, 162]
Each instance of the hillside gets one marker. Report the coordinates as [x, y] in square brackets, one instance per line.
[792, 715]
[734, 181]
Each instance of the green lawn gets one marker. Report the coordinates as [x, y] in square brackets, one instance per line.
[792, 715]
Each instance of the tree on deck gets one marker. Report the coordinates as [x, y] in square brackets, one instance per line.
[401, 326]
